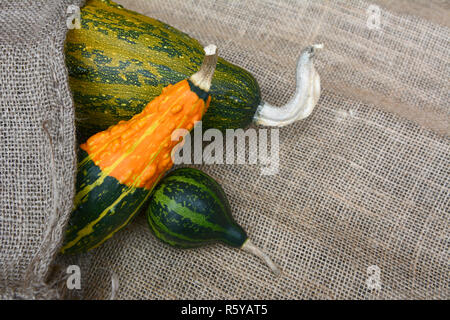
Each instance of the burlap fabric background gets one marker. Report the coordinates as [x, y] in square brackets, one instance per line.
[364, 181]
[37, 154]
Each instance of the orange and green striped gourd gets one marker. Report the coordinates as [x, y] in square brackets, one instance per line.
[118, 167]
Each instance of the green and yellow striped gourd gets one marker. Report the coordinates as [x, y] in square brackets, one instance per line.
[119, 60]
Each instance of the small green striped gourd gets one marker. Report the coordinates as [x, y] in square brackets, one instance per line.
[189, 209]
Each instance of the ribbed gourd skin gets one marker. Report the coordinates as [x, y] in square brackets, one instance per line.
[119, 60]
[81, 238]
[189, 209]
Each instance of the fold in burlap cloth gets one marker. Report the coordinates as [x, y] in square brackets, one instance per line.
[37, 144]
[364, 181]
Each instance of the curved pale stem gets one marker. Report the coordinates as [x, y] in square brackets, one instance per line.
[250, 247]
[304, 100]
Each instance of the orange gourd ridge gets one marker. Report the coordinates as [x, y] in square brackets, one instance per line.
[137, 151]
[118, 167]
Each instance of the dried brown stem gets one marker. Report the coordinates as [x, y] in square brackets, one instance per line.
[203, 77]
[250, 247]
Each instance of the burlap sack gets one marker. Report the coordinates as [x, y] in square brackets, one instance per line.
[363, 183]
[37, 154]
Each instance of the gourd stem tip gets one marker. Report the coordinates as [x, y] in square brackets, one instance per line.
[318, 46]
[210, 50]
[304, 100]
[250, 247]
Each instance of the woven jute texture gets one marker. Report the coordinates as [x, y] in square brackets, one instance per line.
[37, 145]
[363, 182]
